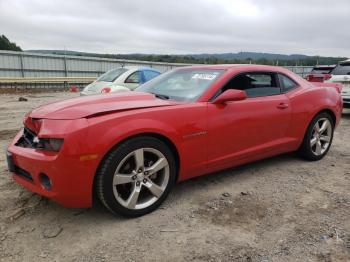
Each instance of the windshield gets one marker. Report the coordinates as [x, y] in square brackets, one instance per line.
[342, 69]
[183, 84]
[111, 75]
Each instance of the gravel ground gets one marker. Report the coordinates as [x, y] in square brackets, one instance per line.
[279, 209]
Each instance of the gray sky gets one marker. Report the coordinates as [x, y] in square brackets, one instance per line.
[183, 26]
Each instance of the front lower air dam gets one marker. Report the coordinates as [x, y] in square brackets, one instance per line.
[45, 181]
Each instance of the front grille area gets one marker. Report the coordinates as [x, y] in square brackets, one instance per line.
[22, 173]
[346, 100]
[27, 140]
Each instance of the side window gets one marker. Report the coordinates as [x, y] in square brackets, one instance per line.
[287, 83]
[134, 78]
[150, 74]
[255, 84]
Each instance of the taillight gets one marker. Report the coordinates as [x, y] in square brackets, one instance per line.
[327, 76]
[311, 78]
[318, 77]
[106, 90]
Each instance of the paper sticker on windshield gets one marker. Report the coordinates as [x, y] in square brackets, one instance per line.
[204, 76]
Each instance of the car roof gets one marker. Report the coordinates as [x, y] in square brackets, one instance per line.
[139, 68]
[345, 62]
[238, 66]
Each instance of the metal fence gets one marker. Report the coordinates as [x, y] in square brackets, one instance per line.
[25, 64]
[18, 68]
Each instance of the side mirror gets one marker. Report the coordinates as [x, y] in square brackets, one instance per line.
[230, 95]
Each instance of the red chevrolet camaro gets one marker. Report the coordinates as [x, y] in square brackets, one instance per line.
[130, 148]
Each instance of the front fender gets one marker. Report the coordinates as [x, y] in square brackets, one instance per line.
[107, 134]
[122, 131]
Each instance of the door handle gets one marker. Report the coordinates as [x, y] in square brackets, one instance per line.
[282, 106]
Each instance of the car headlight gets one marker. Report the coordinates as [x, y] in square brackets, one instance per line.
[49, 144]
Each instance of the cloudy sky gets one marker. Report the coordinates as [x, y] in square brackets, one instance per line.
[184, 26]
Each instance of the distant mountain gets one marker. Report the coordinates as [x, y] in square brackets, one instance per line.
[58, 52]
[252, 56]
[241, 57]
[228, 56]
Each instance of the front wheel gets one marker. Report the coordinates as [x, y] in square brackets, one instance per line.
[318, 137]
[136, 176]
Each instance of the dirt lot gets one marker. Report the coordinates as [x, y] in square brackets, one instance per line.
[280, 209]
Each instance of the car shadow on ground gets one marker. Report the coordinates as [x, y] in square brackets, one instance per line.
[346, 114]
[185, 189]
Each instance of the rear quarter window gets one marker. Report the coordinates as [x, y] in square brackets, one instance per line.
[287, 83]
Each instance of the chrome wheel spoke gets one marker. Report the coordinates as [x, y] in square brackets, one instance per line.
[313, 141]
[317, 127]
[120, 179]
[139, 158]
[323, 127]
[325, 138]
[318, 148]
[156, 190]
[157, 166]
[134, 196]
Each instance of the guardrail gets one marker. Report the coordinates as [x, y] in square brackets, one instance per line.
[11, 84]
[27, 64]
[28, 80]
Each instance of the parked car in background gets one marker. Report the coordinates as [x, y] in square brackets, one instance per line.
[120, 79]
[341, 74]
[131, 148]
[320, 73]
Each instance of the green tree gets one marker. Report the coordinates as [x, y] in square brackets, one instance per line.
[6, 44]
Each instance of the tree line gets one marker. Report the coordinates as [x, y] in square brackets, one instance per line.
[6, 44]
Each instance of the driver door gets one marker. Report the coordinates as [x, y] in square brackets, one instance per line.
[242, 131]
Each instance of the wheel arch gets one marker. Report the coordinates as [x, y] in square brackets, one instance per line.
[328, 111]
[156, 135]
[312, 116]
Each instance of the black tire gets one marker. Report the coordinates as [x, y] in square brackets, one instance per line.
[105, 174]
[305, 150]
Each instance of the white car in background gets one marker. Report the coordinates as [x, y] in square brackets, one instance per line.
[341, 74]
[120, 80]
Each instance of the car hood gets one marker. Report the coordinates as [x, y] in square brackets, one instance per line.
[88, 106]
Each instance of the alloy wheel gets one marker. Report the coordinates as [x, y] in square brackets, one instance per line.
[321, 136]
[141, 178]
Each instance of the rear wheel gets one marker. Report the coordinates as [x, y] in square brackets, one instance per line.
[318, 137]
[136, 176]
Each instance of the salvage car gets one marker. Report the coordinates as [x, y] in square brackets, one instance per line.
[341, 74]
[120, 80]
[129, 149]
[320, 73]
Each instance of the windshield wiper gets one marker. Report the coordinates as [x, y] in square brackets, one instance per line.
[164, 97]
